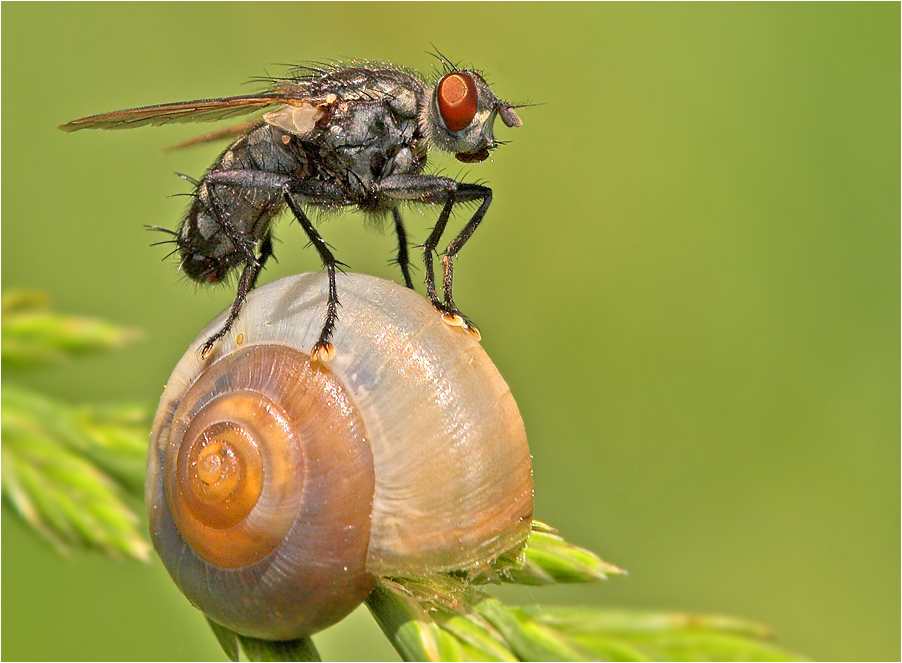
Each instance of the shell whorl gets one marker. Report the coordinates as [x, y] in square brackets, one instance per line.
[446, 480]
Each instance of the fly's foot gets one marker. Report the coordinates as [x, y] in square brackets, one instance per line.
[211, 342]
[322, 352]
[208, 348]
[454, 318]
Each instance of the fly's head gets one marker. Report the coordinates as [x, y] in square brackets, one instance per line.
[460, 116]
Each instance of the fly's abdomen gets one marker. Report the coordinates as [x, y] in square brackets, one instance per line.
[225, 221]
[205, 239]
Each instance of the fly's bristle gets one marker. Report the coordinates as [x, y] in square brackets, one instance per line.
[161, 229]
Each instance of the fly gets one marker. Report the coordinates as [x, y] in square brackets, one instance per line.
[339, 135]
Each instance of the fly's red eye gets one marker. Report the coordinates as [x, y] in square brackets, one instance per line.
[456, 94]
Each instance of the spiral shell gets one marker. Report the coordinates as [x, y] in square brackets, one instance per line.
[279, 490]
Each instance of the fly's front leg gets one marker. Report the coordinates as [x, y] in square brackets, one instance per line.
[429, 248]
[464, 192]
[424, 189]
[438, 190]
[246, 283]
[323, 350]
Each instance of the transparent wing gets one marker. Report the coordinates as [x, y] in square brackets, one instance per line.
[200, 110]
[226, 133]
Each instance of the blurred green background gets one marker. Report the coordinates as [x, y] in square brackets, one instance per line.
[689, 277]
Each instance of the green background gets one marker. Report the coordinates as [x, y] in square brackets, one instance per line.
[689, 277]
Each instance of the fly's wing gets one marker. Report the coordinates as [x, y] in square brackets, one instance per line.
[226, 133]
[200, 110]
[298, 118]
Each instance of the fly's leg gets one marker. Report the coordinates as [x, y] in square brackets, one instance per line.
[323, 350]
[242, 243]
[441, 190]
[452, 250]
[325, 193]
[252, 266]
[429, 248]
[403, 258]
[266, 252]
[245, 284]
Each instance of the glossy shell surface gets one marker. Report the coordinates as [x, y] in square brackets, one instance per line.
[451, 471]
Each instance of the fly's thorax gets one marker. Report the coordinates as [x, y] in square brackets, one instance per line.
[371, 140]
[405, 102]
[404, 92]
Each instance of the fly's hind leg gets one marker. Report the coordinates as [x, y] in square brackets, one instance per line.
[317, 192]
[246, 283]
[252, 263]
[403, 259]
[323, 350]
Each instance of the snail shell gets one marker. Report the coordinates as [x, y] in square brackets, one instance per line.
[279, 490]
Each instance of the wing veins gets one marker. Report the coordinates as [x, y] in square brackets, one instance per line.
[199, 110]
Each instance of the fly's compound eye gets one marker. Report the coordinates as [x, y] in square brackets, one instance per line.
[456, 95]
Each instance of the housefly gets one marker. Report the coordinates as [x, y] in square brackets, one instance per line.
[338, 135]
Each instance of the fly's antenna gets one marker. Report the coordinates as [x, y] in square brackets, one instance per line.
[527, 104]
